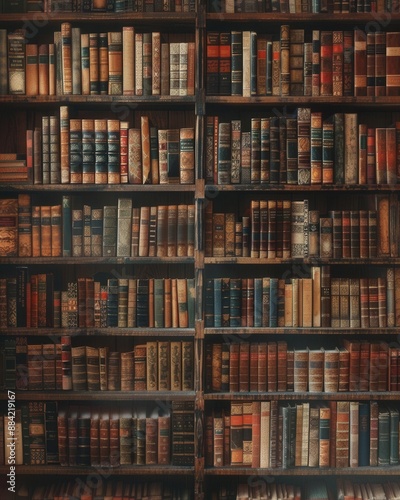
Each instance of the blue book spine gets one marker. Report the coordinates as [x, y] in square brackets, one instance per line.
[218, 303]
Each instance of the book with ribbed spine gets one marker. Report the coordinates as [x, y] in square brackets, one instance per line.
[88, 151]
[94, 64]
[32, 69]
[115, 62]
[75, 150]
[124, 223]
[16, 62]
[109, 231]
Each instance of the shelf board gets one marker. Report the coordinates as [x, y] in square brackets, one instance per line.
[104, 332]
[300, 17]
[310, 261]
[300, 331]
[105, 100]
[304, 471]
[181, 18]
[304, 396]
[91, 396]
[122, 470]
[214, 188]
[95, 260]
[353, 101]
[96, 188]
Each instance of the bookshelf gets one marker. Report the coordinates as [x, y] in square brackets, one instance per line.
[214, 462]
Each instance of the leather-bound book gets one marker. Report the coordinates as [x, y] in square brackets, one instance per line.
[113, 152]
[380, 63]
[236, 437]
[16, 62]
[360, 63]
[85, 64]
[109, 231]
[32, 69]
[326, 63]
[115, 63]
[100, 148]
[392, 63]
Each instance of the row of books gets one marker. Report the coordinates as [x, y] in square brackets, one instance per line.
[319, 301]
[33, 301]
[302, 63]
[118, 230]
[113, 63]
[16, 6]
[109, 489]
[311, 6]
[150, 366]
[283, 435]
[121, 6]
[134, 488]
[104, 151]
[288, 229]
[267, 490]
[358, 365]
[47, 433]
[306, 147]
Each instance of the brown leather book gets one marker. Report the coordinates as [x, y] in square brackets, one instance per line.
[360, 63]
[186, 155]
[145, 140]
[66, 58]
[326, 63]
[392, 63]
[316, 370]
[55, 222]
[32, 69]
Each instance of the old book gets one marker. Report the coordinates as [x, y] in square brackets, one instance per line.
[109, 231]
[392, 63]
[326, 63]
[360, 63]
[16, 62]
[115, 63]
[124, 227]
[350, 148]
[296, 61]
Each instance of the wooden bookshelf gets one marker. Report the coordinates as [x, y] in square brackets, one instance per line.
[23, 112]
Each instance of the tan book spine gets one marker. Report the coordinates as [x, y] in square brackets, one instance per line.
[64, 145]
[186, 155]
[85, 64]
[307, 302]
[285, 60]
[56, 231]
[191, 68]
[176, 366]
[174, 304]
[115, 63]
[138, 63]
[32, 69]
[144, 231]
[182, 303]
[44, 69]
[350, 148]
[128, 60]
[94, 68]
[135, 174]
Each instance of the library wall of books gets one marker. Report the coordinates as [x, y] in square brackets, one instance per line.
[199, 249]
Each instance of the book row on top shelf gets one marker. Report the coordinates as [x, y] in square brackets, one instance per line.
[126, 62]
[302, 62]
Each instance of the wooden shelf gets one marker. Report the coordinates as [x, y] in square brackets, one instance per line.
[98, 188]
[101, 396]
[98, 100]
[144, 18]
[304, 396]
[295, 101]
[104, 332]
[300, 17]
[300, 331]
[122, 470]
[304, 471]
[94, 260]
[345, 188]
[310, 261]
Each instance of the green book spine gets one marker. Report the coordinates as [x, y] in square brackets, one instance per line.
[158, 303]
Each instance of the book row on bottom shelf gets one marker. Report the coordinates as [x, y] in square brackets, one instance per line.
[284, 435]
[68, 434]
[162, 365]
[269, 488]
[100, 487]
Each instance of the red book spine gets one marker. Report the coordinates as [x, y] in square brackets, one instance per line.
[326, 63]
[371, 160]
